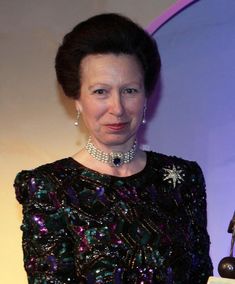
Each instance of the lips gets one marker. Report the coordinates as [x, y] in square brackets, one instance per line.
[117, 126]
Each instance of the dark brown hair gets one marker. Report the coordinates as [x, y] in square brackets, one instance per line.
[103, 34]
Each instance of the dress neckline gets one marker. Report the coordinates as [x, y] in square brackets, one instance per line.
[140, 173]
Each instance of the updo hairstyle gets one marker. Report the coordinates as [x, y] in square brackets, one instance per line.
[105, 34]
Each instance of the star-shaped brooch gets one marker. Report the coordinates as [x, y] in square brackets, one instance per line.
[174, 175]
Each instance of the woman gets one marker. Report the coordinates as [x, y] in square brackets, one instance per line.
[113, 213]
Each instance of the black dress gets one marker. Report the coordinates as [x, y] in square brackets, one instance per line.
[81, 226]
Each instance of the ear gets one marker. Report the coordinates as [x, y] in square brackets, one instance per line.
[78, 105]
[145, 103]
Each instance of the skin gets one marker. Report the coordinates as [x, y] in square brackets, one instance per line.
[111, 102]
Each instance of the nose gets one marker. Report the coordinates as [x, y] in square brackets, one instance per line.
[116, 105]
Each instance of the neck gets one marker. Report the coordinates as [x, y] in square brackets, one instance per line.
[113, 159]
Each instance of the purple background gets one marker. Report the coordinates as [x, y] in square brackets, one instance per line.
[193, 115]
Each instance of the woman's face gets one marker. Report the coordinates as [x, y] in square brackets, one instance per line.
[112, 99]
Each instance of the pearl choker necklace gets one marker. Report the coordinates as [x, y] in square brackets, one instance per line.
[114, 159]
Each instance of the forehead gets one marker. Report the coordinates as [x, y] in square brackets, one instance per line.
[111, 64]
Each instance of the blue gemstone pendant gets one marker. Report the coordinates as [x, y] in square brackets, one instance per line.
[117, 159]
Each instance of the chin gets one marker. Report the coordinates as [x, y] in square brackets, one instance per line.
[115, 140]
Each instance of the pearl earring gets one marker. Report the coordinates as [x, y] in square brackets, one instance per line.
[144, 121]
[76, 123]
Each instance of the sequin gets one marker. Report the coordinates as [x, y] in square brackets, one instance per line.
[80, 226]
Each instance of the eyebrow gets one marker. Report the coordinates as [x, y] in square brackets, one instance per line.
[97, 84]
[108, 85]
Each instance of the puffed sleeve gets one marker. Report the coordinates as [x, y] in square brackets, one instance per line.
[197, 210]
[47, 244]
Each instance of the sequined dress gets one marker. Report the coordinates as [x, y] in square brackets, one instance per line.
[80, 226]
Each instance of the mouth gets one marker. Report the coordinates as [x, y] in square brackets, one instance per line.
[117, 126]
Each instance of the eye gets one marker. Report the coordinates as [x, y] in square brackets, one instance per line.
[130, 91]
[100, 91]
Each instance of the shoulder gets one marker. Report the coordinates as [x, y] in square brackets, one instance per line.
[163, 160]
[42, 180]
[173, 166]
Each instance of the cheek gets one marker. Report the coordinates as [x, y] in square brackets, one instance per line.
[136, 108]
[94, 110]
